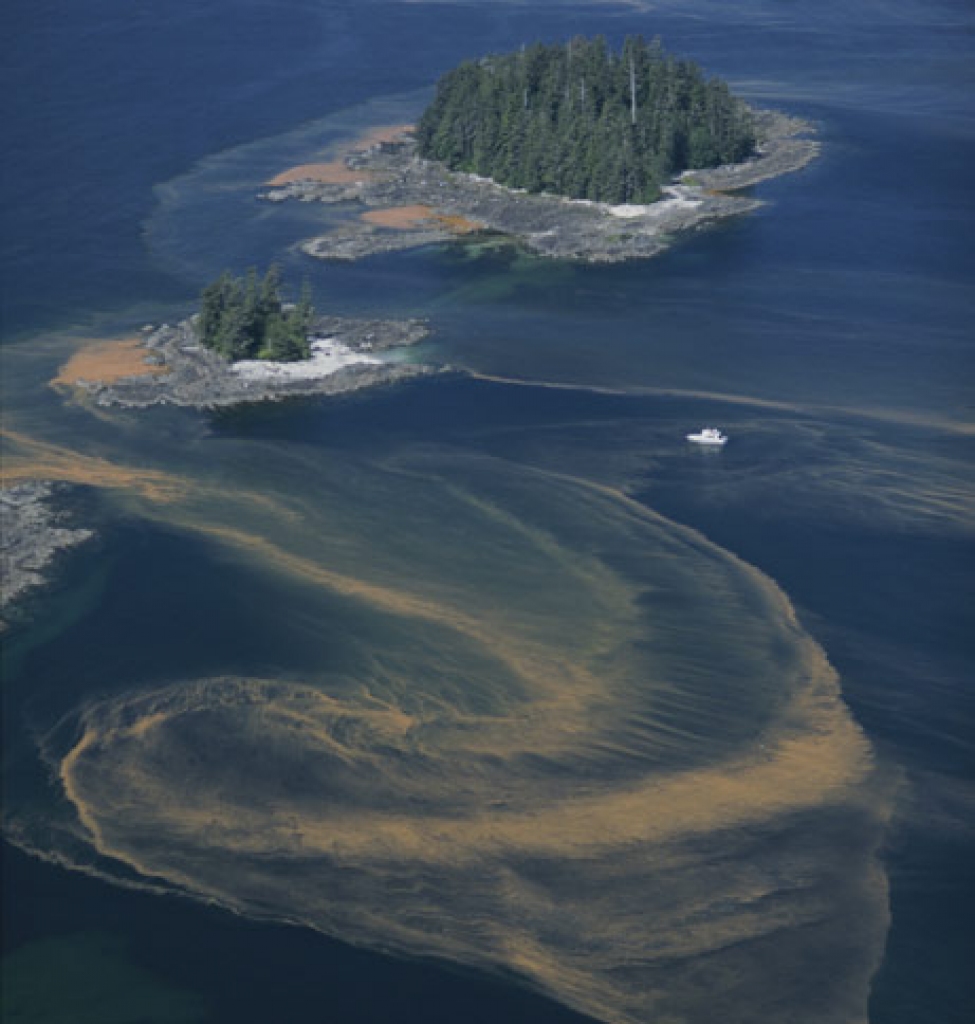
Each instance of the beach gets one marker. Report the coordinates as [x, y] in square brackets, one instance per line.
[327, 357]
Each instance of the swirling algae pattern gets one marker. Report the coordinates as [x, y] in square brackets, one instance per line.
[591, 749]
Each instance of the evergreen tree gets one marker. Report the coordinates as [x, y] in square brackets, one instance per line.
[246, 319]
[580, 120]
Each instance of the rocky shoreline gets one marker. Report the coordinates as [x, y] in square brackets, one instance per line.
[393, 176]
[352, 354]
[31, 535]
[180, 371]
[349, 354]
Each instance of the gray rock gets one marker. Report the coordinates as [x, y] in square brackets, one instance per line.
[202, 379]
[31, 535]
[547, 225]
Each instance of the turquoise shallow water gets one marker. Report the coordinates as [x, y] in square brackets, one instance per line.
[498, 676]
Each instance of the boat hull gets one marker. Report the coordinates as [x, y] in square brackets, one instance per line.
[712, 442]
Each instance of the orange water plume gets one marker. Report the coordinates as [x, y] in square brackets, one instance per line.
[606, 756]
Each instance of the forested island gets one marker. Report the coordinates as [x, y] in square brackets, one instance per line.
[579, 120]
[246, 345]
[573, 151]
[242, 318]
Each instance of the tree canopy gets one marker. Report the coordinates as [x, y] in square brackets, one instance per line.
[580, 120]
[244, 318]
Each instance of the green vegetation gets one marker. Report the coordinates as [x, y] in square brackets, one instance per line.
[579, 120]
[243, 318]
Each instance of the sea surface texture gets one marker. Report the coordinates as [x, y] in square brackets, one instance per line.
[487, 696]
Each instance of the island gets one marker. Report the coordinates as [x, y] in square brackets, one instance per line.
[32, 533]
[247, 345]
[581, 121]
[571, 150]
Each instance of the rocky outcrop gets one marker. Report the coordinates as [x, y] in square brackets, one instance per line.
[785, 146]
[200, 378]
[393, 176]
[31, 535]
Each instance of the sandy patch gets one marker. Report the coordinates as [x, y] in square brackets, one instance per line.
[337, 172]
[403, 218]
[678, 197]
[457, 224]
[107, 361]
[327, 356]
[408, 218]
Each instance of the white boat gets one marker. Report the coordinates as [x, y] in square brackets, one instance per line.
[708, 435]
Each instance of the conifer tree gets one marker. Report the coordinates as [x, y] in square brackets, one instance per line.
[581, 120]
[244, 319]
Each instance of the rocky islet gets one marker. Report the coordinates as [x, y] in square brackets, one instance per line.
[390, 175]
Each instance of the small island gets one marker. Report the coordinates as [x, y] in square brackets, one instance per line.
[574, 151]
[580, 121]
[247, 345]
[32, 533]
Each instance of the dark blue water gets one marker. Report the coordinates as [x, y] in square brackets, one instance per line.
[100, 106]
[135, 139]
[233, 969]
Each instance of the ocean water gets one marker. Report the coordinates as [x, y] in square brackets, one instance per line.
[486, 697]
